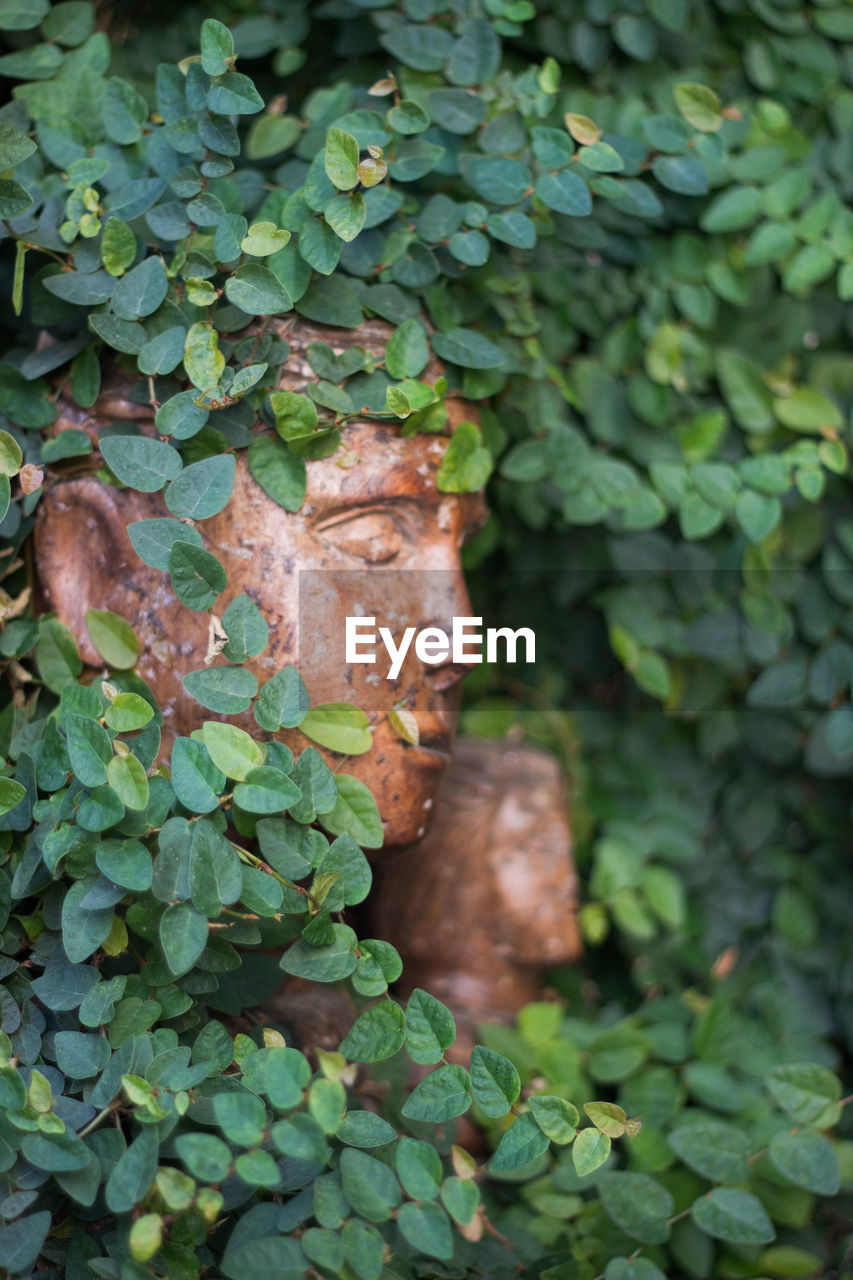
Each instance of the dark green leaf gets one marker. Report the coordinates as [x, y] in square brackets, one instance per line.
[197, 576]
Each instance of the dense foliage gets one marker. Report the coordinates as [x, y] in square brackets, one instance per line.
[625, 230]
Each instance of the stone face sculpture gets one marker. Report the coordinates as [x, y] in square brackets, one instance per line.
[373, 536]
[378, 525]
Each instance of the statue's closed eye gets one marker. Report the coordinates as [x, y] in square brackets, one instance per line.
[373, 536]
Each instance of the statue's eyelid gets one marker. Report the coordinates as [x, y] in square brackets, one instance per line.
[395, 512]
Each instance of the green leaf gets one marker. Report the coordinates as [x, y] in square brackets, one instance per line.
[140, 463]
[21, 1240]
[203, 360]
[89, 749]
[183, 936]
[113, 637]
[282, 702]
[196, 780]
[227, 690]
[476, 54]
[123, 335]
[807, 410]
[638, 1204]
[163, 353]
[557, 1118]
[347, 863]
[246, 628]
[757, 514]
[808, 1160]
[378, 965]
[341, 159]
[813, 264]
[133, 1172]
[417, 45]
[85, 386]
[217, 47]
[140, 292]
[320, 247]
[215, 877]
[495, 1083]
[270, 135]
[339, 726]
[467, 464]
[440, 1096]
[279, 472]
[522, 1142]
[58, 661]
[699, 105]
[457, 110]
[126, 863]
[295, 414]
[14, 199]
[118, 246]
[153, 539]
[430, 1029]
[376, 1034]
[128, 778]
[14, 145]
[607, 1117]
[197, 576]
[123, 112]
[331, 302]
[461, 1198]
[745, 392]
[234, 94]
[494, 178]
[364, 1129]
[470, 247]
[418, 1168]
[13, 1091]
[11, 457]
[684, 175]
[732, 210]
[327, 1104]
[231, 749]
[346, 214]
[206, 1156]
[11, 793]
[426, 1227]
[330, 963]
[266, 790]
[355, 813]
[263, 239]
[369, 1185]
[601, 158]
[807, 1092]
[408, 117]
[467, 348]
[256, 290]
[407, 353]
[632, 1269]
[591, 1149]
[203, 488]
[734, 1216]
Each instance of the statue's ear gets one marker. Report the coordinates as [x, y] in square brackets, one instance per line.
[83, 554]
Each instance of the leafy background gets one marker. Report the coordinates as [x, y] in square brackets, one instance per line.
[626, 228]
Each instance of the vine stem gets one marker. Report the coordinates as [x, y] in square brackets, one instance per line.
[95, 1121]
